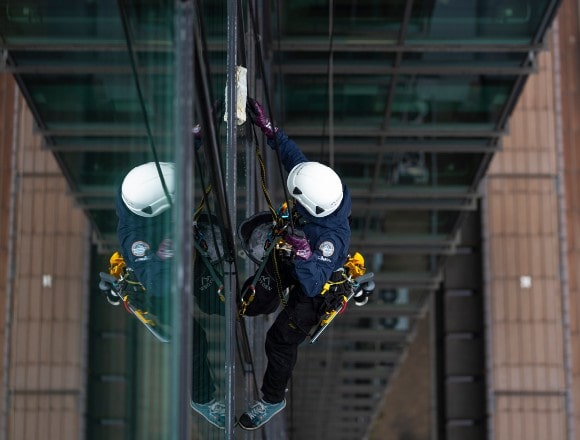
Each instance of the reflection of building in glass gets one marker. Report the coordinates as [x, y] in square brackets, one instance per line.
[411, 169]
[423, 99]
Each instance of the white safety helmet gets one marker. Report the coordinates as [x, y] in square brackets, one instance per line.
[142, 190]
[316, 187]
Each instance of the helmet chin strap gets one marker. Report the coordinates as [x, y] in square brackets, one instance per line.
[297, 219]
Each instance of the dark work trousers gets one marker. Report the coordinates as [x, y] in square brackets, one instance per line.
[288, 331]
[203, 386]
[290, 328]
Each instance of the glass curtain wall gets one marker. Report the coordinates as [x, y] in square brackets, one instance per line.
[419, 90]
[417, 97]
[102, 79]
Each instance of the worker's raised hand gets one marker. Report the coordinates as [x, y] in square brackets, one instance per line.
[196, 130]
[300, 246]
[258, 117]
[217, 112]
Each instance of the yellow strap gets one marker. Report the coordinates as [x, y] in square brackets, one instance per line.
[141, 317]
[329, 284]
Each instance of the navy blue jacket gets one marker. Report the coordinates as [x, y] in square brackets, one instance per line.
[329, 237]
[140, 239]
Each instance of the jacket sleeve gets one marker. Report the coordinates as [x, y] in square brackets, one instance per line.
[153, 272]
[317, 270]
[290, 154]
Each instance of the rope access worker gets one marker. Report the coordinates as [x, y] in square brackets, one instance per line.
[320, 243]
[144, 234]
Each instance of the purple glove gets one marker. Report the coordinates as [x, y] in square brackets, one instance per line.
[196, 130]
[259, 118]
[165, 250]
[300, 246]
[217, 112]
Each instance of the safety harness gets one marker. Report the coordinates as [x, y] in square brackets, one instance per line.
[263, 229]
[122, 286]
[341, 287]
[126, 287]
[209, 255]
[274, 226]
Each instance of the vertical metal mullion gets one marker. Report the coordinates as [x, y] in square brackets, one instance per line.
[182, 307]
[10, 291]
[564, 268]
[230, 275]
[221, 193]
[331, 85]
[251, 191]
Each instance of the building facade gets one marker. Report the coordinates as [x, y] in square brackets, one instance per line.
[527, 381]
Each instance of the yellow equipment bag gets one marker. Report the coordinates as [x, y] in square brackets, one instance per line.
[355, 265]
[117, 265]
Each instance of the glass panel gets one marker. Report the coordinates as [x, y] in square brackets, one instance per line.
[107, 100]
[447, 144]
[401, 199]
[313, 60]
[365, 17]
[383, 323]
[468, 103]
[92, 60]
[476, 21]
[409, 146]
[90, 101]
[458, 102]
[101, 142]
[210, 330]
[400, 298]
[107, 224]
[472, 21]
[357, 99]
[407, 169]
[47, 23]
[345, 144]
[405, 264]
[399, 223]
[351, 18]
[464, 59]
[96, 171]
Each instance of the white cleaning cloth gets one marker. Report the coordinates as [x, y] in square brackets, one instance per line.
[241, 95]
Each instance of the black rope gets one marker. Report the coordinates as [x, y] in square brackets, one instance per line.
[124, 22]
[242, 47]
[263, 179]
[243, 341]
[277, 149]
[267, 96]
[204, 107]
[205, 203]
[330, 54]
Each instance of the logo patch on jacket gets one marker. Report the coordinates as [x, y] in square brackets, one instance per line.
[139, 248]
[327, 248]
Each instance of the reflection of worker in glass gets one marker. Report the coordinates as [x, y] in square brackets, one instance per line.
[144, 233]
[320, 241]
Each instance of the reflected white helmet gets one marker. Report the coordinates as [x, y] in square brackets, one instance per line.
[142, 190]
[316, 187]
